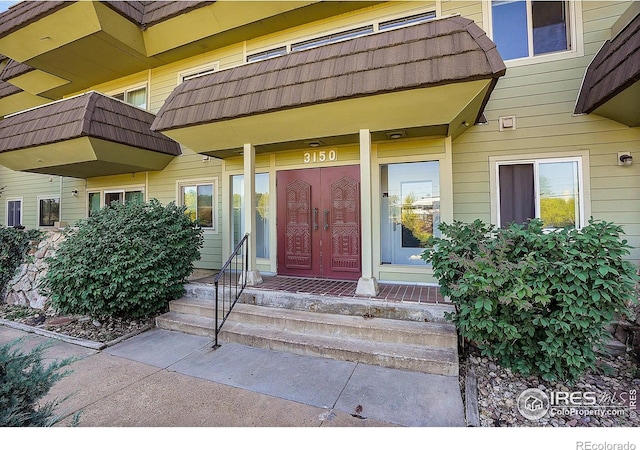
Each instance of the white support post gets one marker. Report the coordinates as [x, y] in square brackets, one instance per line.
[367, 284]
[253, 275]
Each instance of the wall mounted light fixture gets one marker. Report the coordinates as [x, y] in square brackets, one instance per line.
[625, 159]
[74, 192]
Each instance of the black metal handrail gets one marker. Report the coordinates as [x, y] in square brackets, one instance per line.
[233, 278]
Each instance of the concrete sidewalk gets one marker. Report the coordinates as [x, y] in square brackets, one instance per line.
[168, 379]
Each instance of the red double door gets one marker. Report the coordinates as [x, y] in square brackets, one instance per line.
[319, 222]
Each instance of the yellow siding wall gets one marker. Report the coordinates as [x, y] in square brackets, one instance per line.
[542, 96]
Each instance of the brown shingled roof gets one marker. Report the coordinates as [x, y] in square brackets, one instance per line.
[615, 67]
[142, 13]
[7, 89]
[14, 69]
[93, 115]
[439, 52]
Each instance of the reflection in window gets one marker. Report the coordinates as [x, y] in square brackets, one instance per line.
[198, 199]
[529, 28]
[262, 212]
[14, 213]
[410, 210]
[136, 97]
[558, 185]
[49, 211]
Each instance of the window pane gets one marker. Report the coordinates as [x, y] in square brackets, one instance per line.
[94, 203]
[134, 197]
[205, 205]
[549, 26]
[559, 201]
[262, 215]
[410, 207]
[189, 199]
[49, 212]
[110, 197]
[510, 28]
[137, 97]
[262, 212]
[237, 208]
[14, 208]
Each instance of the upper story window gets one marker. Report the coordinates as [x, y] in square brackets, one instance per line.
[331, 38]
[136, 96]
[198, 72]
[267, 54]
[410, 20]
[526, 28]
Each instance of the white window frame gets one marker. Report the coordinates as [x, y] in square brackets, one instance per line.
[216, 201]
[198, 71]
[47, 197]
[129, 89]
[103, 191]
[584, 188]
[6, 214]
[576, 37]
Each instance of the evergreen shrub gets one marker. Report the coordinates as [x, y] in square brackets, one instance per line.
[24, 381]
[537, 300]
[126, 260]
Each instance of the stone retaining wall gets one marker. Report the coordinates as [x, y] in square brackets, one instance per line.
[22, 289]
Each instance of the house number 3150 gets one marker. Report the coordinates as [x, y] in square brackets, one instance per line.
[320, 156]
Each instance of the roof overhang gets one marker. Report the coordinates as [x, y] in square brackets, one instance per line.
[611, 85]
[439, 110]
[433, 78]
[71, 46]
[84, 136]
[84, 157]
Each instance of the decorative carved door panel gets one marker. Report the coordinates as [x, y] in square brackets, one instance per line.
[319, 222]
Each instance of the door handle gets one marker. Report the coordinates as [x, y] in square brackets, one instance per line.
[315, 219]
[326, 219]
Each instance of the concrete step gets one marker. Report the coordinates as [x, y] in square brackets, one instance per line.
[415, 357]
[431, 334]
[355, 306]
[402, 356]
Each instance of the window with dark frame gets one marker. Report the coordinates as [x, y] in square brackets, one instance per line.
[49, 211]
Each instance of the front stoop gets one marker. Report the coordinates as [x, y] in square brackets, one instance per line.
[396, 335]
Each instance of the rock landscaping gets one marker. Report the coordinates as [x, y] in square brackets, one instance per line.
[81, 327]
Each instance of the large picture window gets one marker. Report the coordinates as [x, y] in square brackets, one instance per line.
[527, 28]
[410, 210]
[262, 212]
[48, 211]
[549, 189]
[198, 198]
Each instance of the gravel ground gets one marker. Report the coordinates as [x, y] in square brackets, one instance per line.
[498, 389]
[77, 326]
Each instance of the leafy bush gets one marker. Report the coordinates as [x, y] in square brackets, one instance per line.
[24, 380]
[536, 300]
[14, 248]
[124, 261]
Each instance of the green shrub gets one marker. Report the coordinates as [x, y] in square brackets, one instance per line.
[124, 261]
[536, 300]
[24, 380]
[14, 248]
